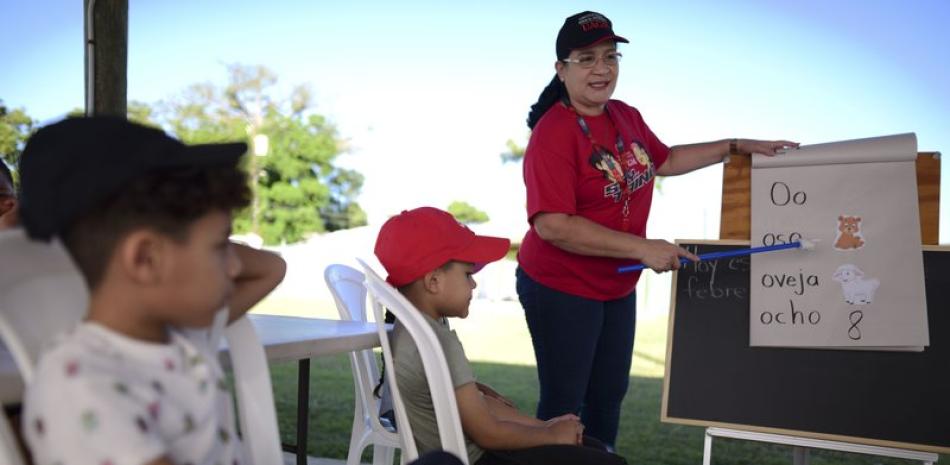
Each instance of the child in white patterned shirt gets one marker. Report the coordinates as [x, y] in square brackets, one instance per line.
[147, 221]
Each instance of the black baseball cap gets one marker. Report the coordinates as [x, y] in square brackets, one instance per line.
[70, 167]
[583, 30]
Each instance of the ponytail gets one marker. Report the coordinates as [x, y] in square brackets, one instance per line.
[553, 93]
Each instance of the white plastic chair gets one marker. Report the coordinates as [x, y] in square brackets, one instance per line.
[255, 396]
[42, 294]
[349, 293]
[382, 295]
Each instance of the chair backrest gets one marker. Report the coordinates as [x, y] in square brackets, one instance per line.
[255, 396]
[42, 294]
[349, 293]
[383, 296]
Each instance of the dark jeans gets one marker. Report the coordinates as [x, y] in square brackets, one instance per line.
[583, 348]
[593, 452]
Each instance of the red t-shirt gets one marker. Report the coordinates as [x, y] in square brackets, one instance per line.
[562, 176]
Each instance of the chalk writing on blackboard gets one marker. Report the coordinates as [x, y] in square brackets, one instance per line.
[701, 278]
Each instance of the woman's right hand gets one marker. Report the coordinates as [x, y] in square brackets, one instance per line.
[660, 255]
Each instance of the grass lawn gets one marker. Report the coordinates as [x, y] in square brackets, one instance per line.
[504, 360]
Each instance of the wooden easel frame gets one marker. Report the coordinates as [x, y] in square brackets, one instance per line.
[801, 446]
[736, 216]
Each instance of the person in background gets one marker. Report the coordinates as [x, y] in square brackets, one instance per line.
[589, 168]
[8, 198]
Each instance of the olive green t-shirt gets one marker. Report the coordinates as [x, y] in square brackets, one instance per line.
[410, 376]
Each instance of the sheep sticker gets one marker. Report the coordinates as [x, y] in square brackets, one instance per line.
[856, 289]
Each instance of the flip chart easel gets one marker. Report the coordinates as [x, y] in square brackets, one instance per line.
[735, 223]
[736, 216]
[802, 445]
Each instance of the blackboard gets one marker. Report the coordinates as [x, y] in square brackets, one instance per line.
[713, 377]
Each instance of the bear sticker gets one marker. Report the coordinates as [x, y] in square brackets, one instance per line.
[849, 233]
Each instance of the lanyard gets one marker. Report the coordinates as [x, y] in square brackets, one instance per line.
[586, 130]
[625, 191]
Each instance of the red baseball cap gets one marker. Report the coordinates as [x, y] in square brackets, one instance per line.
[418, 241]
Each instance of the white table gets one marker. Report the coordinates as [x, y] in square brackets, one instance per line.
[288, 338]
[284, 338]
[294, 338]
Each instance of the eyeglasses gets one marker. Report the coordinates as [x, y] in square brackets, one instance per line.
[611, 59]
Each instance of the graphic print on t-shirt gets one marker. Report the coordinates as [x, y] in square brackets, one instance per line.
[605, 162]
[635, 172]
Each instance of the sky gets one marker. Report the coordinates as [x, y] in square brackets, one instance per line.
[426, 93]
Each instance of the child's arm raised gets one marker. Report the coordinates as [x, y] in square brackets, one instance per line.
[261, 272]
[497, 427]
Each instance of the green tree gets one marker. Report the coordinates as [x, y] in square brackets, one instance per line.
[15, 128]
[141, 113]
[514, 154]
[466, 213]
[298, 189]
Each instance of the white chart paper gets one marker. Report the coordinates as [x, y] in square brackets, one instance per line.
[862, 287]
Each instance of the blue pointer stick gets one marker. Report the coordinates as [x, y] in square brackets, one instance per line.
[727, 253]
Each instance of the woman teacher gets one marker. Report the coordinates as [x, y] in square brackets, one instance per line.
[589, 169]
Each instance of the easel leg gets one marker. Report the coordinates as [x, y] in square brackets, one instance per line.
[707, 449]
[800, 455]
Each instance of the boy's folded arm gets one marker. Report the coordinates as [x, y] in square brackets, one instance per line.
[261, 272]
[490, 392]
[506, 431]
[506, 412]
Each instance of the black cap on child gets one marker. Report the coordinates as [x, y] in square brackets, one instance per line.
[69, 167]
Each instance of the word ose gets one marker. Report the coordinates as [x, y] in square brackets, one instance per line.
[770, 239]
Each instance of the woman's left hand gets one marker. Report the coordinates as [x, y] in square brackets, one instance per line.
[765, 147]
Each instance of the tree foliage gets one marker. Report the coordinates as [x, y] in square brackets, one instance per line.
[15, 127]
[514, 154]
[466, 213]
[299, 189]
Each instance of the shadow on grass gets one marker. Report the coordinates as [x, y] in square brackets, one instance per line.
[642, 439]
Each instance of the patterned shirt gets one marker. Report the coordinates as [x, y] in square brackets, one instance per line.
[102, 398]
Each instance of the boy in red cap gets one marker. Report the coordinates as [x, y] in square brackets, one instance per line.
[430, 258]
